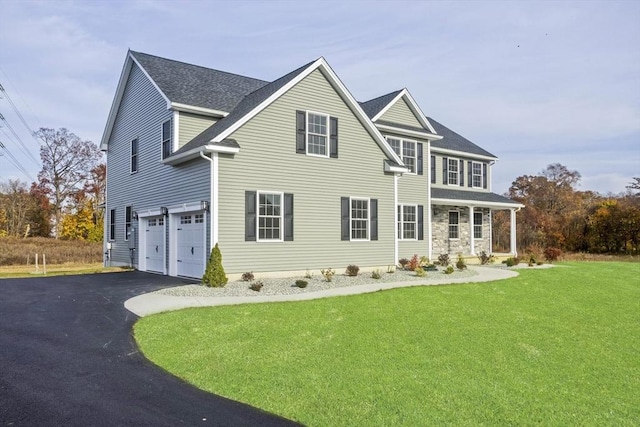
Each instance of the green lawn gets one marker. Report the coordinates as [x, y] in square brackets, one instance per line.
[558, 346]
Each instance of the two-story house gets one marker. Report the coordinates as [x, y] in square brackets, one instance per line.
[287, 176]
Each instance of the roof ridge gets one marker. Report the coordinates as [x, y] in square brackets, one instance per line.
[198, 66]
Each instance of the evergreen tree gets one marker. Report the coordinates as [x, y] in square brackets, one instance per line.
[214, 275]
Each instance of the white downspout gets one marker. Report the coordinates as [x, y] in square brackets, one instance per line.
[213, 198]
[471, 231]
[395, 217]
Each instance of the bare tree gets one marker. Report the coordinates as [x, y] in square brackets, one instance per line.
[67, 162]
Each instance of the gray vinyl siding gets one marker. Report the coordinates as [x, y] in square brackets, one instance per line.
[191, 125]
[268, 162]
[141, 114]
[401, 113]
[439, 172]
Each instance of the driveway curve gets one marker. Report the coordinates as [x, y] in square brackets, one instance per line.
[68, 357]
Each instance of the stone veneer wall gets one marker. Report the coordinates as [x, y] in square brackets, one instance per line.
[441, 242]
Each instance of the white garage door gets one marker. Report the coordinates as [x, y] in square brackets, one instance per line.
[154, 244]
[190, 240]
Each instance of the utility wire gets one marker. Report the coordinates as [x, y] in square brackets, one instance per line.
[26, 150]
[24, 101]
[11, 158]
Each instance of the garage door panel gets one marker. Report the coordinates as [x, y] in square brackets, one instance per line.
[154, 244]
[190, 245]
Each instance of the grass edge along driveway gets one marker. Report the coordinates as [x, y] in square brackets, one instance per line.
[557, 346]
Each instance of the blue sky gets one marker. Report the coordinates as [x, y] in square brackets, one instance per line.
[532, 82]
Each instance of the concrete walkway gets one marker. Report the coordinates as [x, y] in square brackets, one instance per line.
[151, 303]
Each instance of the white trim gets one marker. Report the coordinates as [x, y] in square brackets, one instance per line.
[112, 217]
[195, 152]
[350, 100]
[457, 172]
[513, 241]
[409, 132]
[490, 231]
[473, 175]
[175, 128]
[471, 227]
[395, 217]
[281, 194]
[126, 238]
[413, 106]
[402, 155]
[213, 199]
[131, 171]
[473, 231]
[476, 203]
[149, 212]
[395, 169]
[184, 207]
[464, 154]
[162, 158]
[197, 110]
[401, 221]
[306, 134]
[368, 200]
[428, 207]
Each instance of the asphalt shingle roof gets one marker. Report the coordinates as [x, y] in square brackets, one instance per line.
[245, 106]
[446, 193]
[375, 105]
[453, 141]
[198, 86]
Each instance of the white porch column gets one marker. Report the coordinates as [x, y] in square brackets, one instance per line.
[472, 243]
[428, 208]
[490, 231]
[513, 249]
[395, 217]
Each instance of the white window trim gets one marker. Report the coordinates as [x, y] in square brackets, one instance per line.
[368, 200]
[473, 175]
[457, 173]
[402, 152]
[475, 224]
[402, 222]
[327, 136]
[162, 140]
[449, 225]
[131, 171]
[281, 194]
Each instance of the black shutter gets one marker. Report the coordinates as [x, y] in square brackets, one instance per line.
[461, 173]
[333, 137]
[288, 217]
[484, 175]
[301, 129]
[445, 172]
[250, 216]
[373, 205]
[344, 208]
[470, 173]
[420, 168]
[433, 169]
[420, 222]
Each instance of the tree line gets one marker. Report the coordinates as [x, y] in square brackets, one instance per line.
[558, 215]
[66, 200]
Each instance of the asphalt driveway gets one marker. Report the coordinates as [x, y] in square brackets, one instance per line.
[67, 357]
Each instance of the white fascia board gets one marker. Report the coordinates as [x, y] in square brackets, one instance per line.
[195, 152]
[198, 110]
[148, 212]
[408, 132]
[475, 203]
[418, 112]
[320, 63]
[395, 169]
[165, 97]
[184, 207]
[462, 154]
[386, 108]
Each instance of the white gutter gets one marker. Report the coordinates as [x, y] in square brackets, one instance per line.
[198, 110]
[409, 132]
[463, 154]
[195, 152]
[476, 203]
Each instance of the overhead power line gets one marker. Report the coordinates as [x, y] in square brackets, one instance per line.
[15, 162]
[17, 137]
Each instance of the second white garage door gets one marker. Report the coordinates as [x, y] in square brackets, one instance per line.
[154, 244]
[190, 239]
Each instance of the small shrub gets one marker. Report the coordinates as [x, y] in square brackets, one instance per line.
[301, 283]
[308, 275]
[516, 260]
[424, 260]
[214, 275]
[552, 254]
[449, 270]
[460, 263]
[430, 267]
[327, 274]
[414, 263]
[486, 258]
[444, 260]
[509, 262]
[391, 269]
[352, 270]
[539, 263]
[247, 277]
[375, 274]
[403, 262]
[256, 286]
[420, 272]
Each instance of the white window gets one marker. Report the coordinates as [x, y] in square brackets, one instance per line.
[127, 222]
[453, 171]
[407, 222]
[112, 224]
[152, 222]
[166, 139]
[477, 174]
[359, 219]
[199, 218]
[317, 134]
[161, 221]
[477, 225]
[134, 155]
[406, 150]
[270, 214]
[185, 219]
[454, 224]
